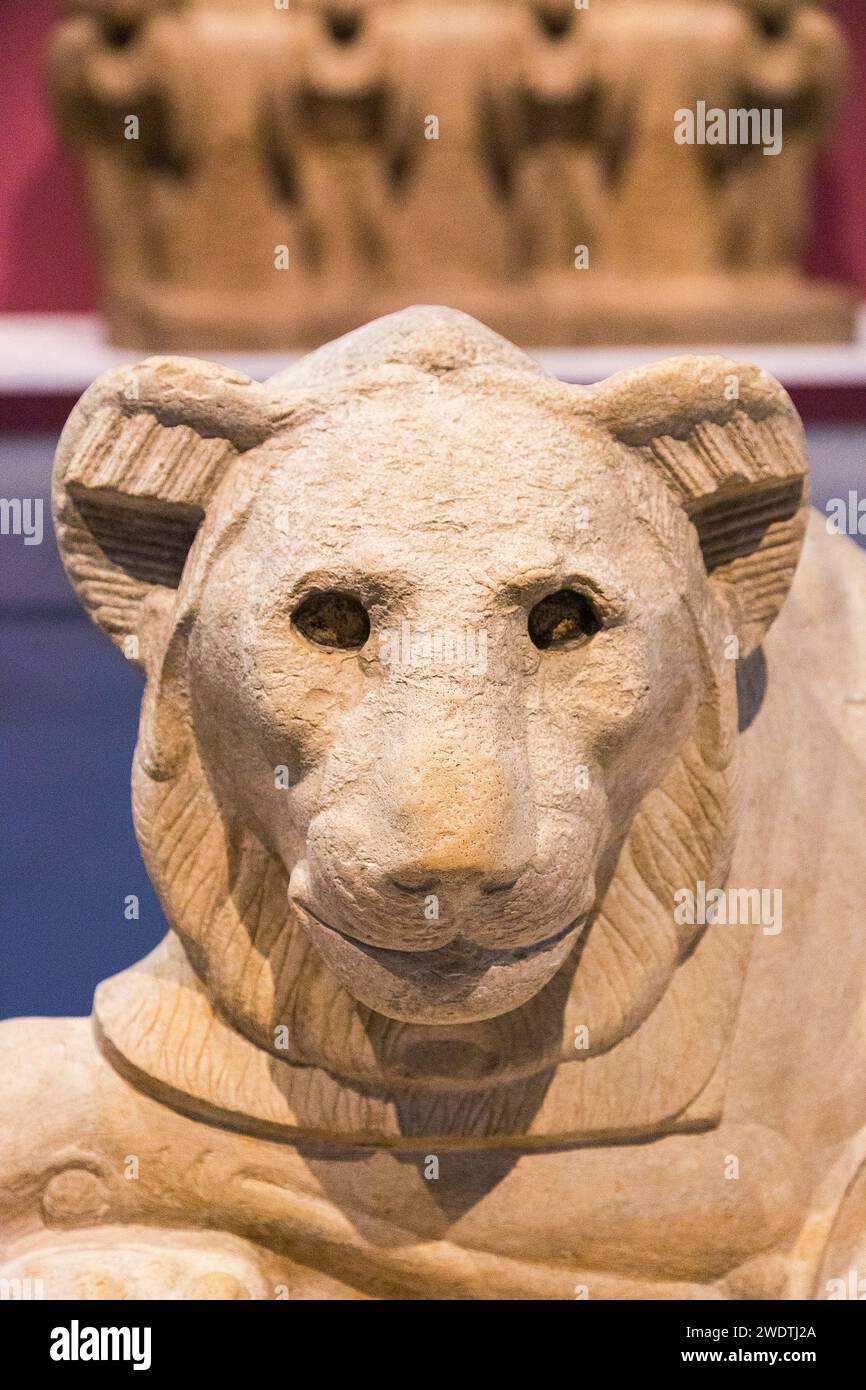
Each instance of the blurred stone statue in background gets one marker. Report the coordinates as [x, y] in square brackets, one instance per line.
[631, 170]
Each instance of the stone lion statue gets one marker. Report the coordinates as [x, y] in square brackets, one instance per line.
[508, 833]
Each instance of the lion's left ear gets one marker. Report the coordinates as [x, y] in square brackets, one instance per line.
[137, 463]
[729, 443]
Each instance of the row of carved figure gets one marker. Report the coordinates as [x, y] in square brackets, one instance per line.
[426, 145]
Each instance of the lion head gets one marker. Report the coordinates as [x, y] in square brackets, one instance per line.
[440, 705]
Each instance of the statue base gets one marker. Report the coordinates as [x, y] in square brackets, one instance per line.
[600, 309]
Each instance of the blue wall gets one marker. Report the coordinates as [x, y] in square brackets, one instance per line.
[68, 855]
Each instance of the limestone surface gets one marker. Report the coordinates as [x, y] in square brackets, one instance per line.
[508, 826]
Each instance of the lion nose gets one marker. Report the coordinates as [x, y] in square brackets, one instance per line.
[457, 816]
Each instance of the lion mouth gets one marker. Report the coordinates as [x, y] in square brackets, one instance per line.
[460, 981]
[459, 956]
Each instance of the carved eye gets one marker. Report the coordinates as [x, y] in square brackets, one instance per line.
[333, 619]
[563, 619]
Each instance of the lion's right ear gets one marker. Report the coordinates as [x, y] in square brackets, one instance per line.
[137, 463]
